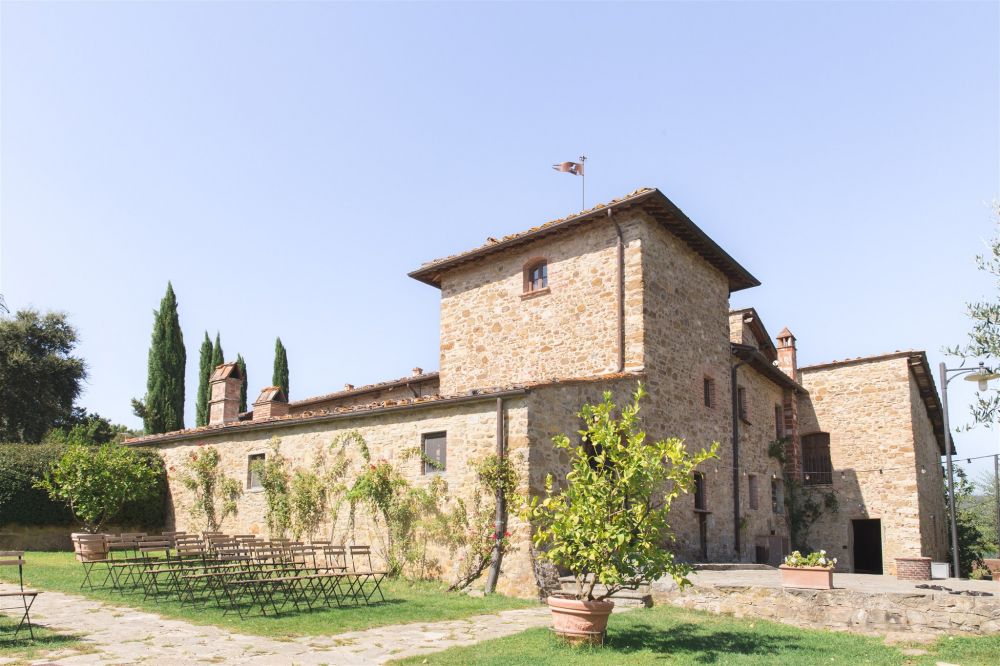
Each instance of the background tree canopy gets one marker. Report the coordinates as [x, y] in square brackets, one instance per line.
[39, 376]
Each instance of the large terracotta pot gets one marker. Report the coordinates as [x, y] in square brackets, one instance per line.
[813, 578]
[88, 548]
[580, 621]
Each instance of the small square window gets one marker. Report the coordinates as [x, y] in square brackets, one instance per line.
[435, 452]
[536, 276]
[254, 462]
[709, 390]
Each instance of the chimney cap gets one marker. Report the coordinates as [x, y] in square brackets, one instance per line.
[226, 371]
[271, 394]
[785, 333]
[348, 387]
[417, 371]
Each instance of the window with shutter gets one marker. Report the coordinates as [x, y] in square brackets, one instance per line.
[435, 450]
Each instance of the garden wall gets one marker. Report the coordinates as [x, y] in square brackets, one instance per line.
[843, 609]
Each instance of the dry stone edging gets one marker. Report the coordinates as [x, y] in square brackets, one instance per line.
[121, 635]
[842, 609]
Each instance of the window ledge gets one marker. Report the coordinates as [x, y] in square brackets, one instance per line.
[705, 511]
[255, 490]
[534, 294]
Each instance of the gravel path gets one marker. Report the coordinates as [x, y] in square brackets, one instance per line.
[116, 635]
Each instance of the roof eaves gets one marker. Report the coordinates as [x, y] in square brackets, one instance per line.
[759, 362]
[653, 202]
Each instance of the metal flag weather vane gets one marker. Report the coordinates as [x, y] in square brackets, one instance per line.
[576, 168]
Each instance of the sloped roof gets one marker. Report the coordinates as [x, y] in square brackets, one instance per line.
[764, 341]
[368, 388]
[650, 200]
[762, 364]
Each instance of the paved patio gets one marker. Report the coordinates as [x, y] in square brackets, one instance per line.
[127, 636]
[859, 582]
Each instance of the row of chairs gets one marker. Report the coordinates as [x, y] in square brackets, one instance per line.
[239, 573]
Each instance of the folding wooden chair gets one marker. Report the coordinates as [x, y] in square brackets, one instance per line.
[363, 553]
[10, 558]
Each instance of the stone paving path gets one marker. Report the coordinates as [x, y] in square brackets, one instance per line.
[128, 636]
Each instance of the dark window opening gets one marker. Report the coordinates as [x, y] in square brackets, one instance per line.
[699, 492]
[709, 392]
[254, 463]
[435, 449]
[817, 468]
[779, 422]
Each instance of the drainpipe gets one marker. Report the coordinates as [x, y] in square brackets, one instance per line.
[501, 518]
[621, 292]
[736, 457]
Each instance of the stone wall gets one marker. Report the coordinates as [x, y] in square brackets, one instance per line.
[493, 334]
[930, 483]
[760, 525]
[471, 430]
[867, 408]
[844, 609]
[686, 339]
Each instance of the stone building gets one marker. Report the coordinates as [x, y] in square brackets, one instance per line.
[535, 324]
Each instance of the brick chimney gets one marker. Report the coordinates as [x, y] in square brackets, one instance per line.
[271, 403]
[787, 361]
[224, 387]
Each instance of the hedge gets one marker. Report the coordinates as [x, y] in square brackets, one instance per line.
[23, 504]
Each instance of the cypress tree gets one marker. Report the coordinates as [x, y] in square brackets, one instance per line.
[243, 386]
[204, 372]
[218, 358]
[163, 408]
[280, 376]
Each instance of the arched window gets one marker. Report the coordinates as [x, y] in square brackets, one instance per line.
[536, 275]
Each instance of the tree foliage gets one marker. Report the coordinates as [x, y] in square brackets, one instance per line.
[97, 483]
[973, 544]
[162, 409]
[984, 338]
[39, 377]
[81, 427]
[218, 356]
[609, 524]
[204, 373]
[214, 493]
[243, 384]
[275, 480]
[280, 375]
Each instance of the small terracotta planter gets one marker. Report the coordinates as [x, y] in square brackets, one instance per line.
[812, 578]
[580, 621]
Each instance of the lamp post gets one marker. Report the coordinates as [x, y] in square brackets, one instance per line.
[981, 375]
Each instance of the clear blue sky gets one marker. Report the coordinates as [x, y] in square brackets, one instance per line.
[286, 164]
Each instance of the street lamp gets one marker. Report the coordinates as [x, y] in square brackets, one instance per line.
[981, 375]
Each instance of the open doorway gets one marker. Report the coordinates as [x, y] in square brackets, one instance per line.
[867, 539]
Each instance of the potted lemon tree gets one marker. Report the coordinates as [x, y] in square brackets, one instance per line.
[608, 523]
[813, 571]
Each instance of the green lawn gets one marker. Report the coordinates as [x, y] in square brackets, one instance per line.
[406, 602]
[667, 635]
[23, 648]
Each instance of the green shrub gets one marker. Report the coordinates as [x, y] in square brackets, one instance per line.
[21, 503]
